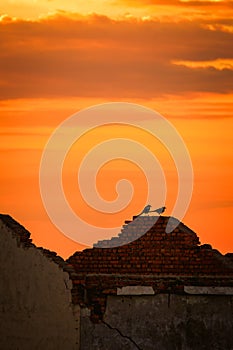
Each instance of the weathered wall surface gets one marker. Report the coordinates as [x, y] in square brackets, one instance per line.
[161, 292]
[161, 322]
[35, 299]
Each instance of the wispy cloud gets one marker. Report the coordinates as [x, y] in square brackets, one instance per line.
[221, 204]
[218, 64]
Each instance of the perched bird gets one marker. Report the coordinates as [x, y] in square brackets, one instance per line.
[146, 210]
[159, 210]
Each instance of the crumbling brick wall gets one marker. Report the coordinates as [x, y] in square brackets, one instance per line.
[190, 287]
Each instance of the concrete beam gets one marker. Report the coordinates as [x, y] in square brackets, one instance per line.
[135, 290]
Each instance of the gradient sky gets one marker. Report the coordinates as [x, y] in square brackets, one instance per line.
[173, 56]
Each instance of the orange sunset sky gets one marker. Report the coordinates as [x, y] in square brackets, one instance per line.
[176, 57]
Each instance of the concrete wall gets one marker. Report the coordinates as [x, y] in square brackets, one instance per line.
[161, 322]
[35, 300]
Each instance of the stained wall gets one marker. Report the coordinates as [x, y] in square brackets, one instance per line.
[36, 309]
[161, 322]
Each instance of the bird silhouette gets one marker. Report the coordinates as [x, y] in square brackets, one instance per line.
[146, 210]
[159, 210]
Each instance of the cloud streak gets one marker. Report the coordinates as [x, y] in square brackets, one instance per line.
[219, 64]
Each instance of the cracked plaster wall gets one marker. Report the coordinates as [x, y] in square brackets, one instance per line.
[35, 299]
[161, 322]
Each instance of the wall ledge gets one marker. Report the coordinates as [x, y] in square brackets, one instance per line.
[211, 290]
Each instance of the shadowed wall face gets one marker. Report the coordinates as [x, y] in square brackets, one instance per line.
[35, 298]
[161, 322]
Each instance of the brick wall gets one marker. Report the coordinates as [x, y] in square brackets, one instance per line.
[156, 252]
[165, 261]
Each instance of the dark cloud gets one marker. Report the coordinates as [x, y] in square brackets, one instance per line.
[178, 3]
[99, 57]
